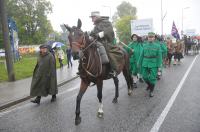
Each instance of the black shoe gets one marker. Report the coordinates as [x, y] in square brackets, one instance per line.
[134, 85]
[37, 101]
[141, 80]
[151, 94]
[53, 99]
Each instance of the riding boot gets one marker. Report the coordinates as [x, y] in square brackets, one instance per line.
[151, 90]
[37, 100]
[53, 98]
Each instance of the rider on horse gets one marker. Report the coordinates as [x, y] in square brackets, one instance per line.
[103, 32]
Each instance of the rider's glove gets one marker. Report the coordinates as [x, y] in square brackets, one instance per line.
[91, 38]
[101, 34]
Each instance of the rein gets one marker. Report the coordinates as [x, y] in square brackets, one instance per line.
[88, 67]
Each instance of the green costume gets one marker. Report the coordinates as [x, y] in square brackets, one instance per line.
[164, 49]
[135, 64]
[151, 61]
[44, 76]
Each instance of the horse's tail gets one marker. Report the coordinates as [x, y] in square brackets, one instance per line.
[126, 57]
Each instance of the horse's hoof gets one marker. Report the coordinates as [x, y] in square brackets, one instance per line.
[115, 100]
[100, 114]
[77, 121]
[129, 92]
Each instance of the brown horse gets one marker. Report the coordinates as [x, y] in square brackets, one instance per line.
[91, 68]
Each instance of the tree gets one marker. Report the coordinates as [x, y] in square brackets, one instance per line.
[125, 8]
[31, 19]
[125, 13]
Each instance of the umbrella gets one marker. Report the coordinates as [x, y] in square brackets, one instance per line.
[57, 44]
[50, 43]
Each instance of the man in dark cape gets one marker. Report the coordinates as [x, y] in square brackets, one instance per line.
[44, 80]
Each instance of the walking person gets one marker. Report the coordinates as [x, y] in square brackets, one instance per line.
[69, 56]
[60, 55]
[178, 52]
[44, 81]
[163, 46]
[135, 50]
[151, 62]
[170, 50]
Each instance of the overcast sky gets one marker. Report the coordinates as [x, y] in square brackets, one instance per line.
[68, 11]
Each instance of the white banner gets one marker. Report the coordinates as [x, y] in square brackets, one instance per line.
[141, 27]
[190, 32]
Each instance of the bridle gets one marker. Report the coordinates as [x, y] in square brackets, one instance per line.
[83, 49]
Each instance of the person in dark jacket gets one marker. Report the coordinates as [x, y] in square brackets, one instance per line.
[69, 56]
[44, 81]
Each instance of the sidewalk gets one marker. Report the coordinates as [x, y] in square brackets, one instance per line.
[13, 92]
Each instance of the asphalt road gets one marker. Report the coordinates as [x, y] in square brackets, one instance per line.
[136, 113]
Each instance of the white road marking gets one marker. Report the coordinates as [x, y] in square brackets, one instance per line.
[29, 104]
[167, 108]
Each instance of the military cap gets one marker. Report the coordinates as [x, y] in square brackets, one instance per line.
[43, 46]
[151, 34]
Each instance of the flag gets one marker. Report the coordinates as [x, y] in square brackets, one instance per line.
[174, 31]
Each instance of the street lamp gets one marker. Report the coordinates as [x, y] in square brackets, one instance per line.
[182, 18]
[162, 17]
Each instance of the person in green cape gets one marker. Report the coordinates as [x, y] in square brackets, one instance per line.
[135, 49]
[163, 46]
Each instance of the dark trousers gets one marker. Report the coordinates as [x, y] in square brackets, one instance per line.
[69, 60]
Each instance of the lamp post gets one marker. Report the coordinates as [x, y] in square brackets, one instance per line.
[182, 18]
[162, 18]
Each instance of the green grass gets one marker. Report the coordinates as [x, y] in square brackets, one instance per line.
[23, 68]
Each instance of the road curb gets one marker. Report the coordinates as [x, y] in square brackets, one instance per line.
[17, 101]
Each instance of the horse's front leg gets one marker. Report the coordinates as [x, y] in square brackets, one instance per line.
[116, 82]
[82, 90]
[99, 96]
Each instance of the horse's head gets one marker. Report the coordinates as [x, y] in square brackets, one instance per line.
[76, 38]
